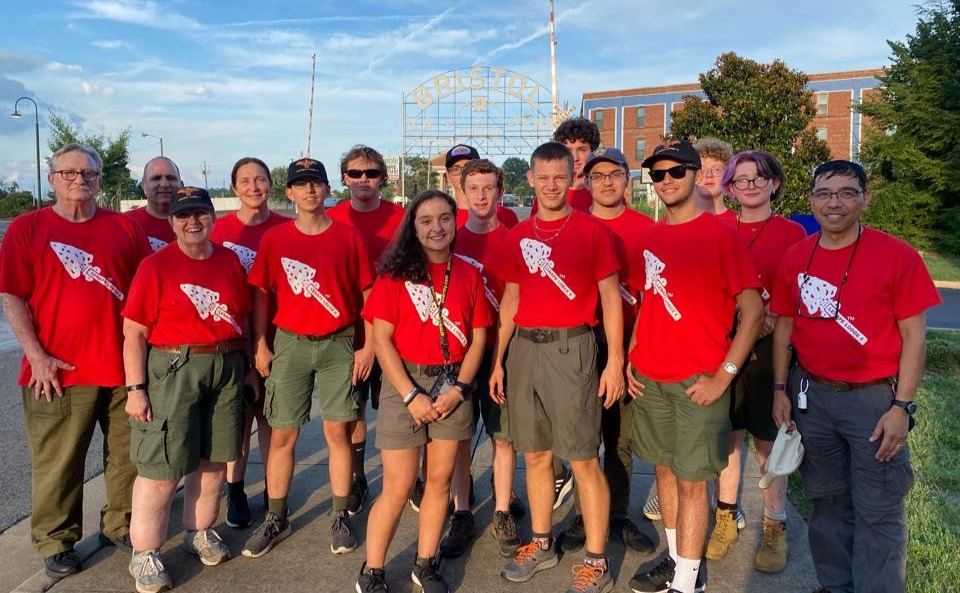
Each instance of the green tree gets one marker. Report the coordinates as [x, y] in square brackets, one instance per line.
[13, 200]
[756, 106]
[515, 177]
[912, 145]
[278, 195]
[416, 174]
[116, 182]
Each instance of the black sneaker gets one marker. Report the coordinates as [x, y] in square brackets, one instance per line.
[341, 534]
[271, 532]
[426, 575]
[462, 528]
[357, 496]
[575, 536]
[629, 534]
[504, 530]
[516, 506]
[562, 486]
[371, 580]
[416, 497]
[238, 511]
[660, 577]
[62, 564]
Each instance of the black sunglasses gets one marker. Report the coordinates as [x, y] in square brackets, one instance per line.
[370, 173]
[657, 175]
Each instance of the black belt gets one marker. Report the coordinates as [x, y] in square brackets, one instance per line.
[545, 336]
[844, 386]
[429, 370]
[347, 332]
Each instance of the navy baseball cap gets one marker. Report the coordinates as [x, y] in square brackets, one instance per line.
[682, 152]
[459, 153]
[306, 168]
[605, 155]
[190, 198]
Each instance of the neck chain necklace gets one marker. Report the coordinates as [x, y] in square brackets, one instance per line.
[759, 231]
[547, 239]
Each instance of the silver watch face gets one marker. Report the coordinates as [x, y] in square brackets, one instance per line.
[730, 368]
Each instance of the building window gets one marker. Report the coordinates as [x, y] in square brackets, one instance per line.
[641, 117]
[823, 104]
[822, 133]
[598, 118]
[641, 149]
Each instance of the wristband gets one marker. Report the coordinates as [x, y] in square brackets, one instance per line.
[465, 388]
[779, 386]
[414, 392]
[137, 387]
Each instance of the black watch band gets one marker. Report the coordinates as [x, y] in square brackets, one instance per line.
[137, 387]
[464, 387]
[909, 407]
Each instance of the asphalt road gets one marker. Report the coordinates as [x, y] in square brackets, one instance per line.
[946, 315]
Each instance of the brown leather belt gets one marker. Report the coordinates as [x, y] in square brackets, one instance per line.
[545, 336]
[429, 370]
[347, 332]
[844, 386]
[227, 347]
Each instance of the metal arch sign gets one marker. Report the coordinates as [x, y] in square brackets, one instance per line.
[495, 110]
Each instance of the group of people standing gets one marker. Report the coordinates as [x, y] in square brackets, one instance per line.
[586, 324]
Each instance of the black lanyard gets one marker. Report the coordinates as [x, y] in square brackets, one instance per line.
[444, 341]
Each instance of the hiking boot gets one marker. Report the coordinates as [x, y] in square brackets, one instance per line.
[357, 496]
[149, 573]
[772, 555]
[462, 528]
[62, 564]
[651, 510]
[516, 506]
[505, 532]
[659, 578]
[238, 511]
[271, 532]
[416, 497]
[426, 575]
[575, 536]
[530, 559]
[629, 534]
[341, 533]
[562, 487]
[371, 580]
[122, 543]
[723, 536]
[588, 578]
[206, 544]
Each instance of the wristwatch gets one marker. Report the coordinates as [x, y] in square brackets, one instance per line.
[908, 407]
[730, 368]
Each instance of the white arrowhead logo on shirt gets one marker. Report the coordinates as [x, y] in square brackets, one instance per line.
[156, 244]
[426, 305]
[208, 304]
[245, 254]
[78, 262]
[653, 267]
[300, 278]
[818, 296]
[537, 257]
[486, 289]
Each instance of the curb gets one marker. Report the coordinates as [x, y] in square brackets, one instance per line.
[952, 284]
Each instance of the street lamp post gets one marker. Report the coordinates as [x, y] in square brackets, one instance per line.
[146, 135]
[16, 115]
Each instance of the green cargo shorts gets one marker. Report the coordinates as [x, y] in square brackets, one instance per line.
[197, 414]
[299, 363]
[670, 430]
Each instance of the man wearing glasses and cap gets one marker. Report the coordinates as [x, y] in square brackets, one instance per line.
[852, 303]
[64, 273]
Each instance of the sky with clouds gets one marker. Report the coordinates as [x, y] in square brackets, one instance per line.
[219, 81]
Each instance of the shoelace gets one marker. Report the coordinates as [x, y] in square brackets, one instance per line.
[376, 579]
[151, 566]
[769, 536]
[585, 575]
[339, 523]
[429, 571]
[662, 569]
[724, 519]
[527, 552]
[458, 526]
[505, 525]
[270, 527]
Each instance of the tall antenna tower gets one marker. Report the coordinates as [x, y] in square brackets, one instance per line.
[313, 85]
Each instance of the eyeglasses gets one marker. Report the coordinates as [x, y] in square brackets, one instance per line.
[713, 171]
[455, 170]
[844, 195]
[187, 214]
[617, 175]
[657, 175]
[358, 173]
[757, 182]
[302, 183]
[72, 175]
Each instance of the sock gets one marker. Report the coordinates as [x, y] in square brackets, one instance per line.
[781, 516]
[598, 560]
[278, 506]
[672, 542]
[543, 538]
[235, 490]
[685, 576]
[339, 504]
[359, 452]
[726, 506]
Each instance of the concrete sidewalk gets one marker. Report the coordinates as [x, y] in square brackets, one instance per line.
[304, 563]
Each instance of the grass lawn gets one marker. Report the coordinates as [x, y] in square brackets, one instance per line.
[943, 267]
[933, 506]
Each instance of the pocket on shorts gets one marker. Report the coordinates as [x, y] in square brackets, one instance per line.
[58, 408]
[587, 354]
[148, 446]
[716, 444]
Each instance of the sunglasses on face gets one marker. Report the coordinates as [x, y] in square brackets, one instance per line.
[187, 214]
[358, 173]
[678, 172]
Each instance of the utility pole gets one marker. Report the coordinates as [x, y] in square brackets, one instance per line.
[553, 71]
[205, 171]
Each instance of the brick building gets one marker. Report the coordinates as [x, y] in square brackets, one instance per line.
[634, 120]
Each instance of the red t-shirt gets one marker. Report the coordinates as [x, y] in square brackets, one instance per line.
[767, 241]
[557, 265]
[75, 277]
[377, 227]
[319, 279]
[190, 301]
[244, 240]
[887, 283]
[411, 308]
[690, 277]
[487, 252]
[579, 199]
[728, 216]
[158, 230]
[625, 229]
[505, 216]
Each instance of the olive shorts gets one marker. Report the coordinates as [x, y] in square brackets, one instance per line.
[396, 428]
